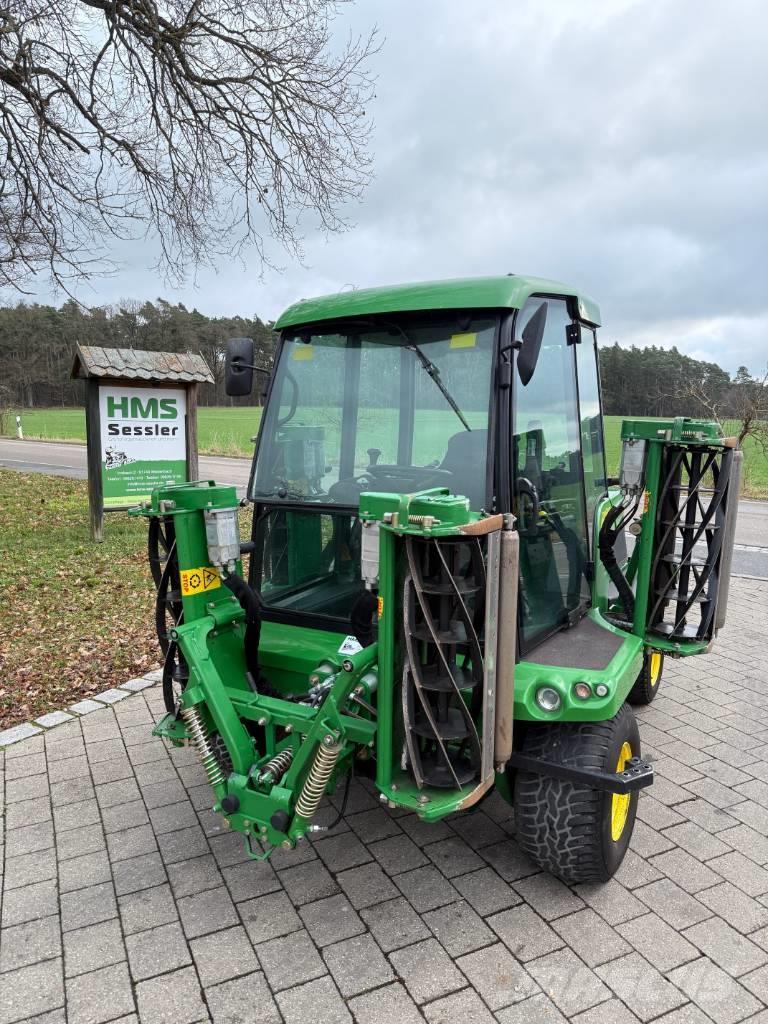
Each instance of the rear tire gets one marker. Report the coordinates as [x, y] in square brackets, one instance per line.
[573, 831]
[647, 684]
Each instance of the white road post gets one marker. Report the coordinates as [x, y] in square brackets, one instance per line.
[19, 431]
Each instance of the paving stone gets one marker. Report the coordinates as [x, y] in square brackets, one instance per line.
[658, 942]
[81, 872]
[743, 872]
[612, 901]
[711, 989]
[700, 844]
[188, 877]
[147, 909]
[318, 1001]
[29, 839]
[509, 860]
[244, 999]
[173, 816]
[28, 812]
[290, 961]
[570, 984]
[357, 964]
[634, 871]
[86, 949]
[205, 912]
[133, 842]
[26, 788]
[611, 1012]
[548, 896]
[427, 970]
[100, 996]
[397, 854]
[394, 924]
[135, 685]
[426, 888]
[524, 933]
[223, 955]
[18, 733]
[539, 1009]
[389, 1005]
[28, 943]
[373, 825]
[747, 841]
[29, 902]
[171, 999]
[757, 983]
[710, 818]
[366, 885]
[186, 844]
[595, 940]
[39, 866]
[640, 986]
[673, 904]
[689, 873]
[743, 913]
[341, 852]
[726, 947]
[464, 1006]
[486, 891]
[31, 990]
[269, 917]
[329, 920]
[458, 928]
[310, 881]
[80, 841]
[117, 792]
[85, 707]
[249, 879]
[136, 873]
[88, 906]
[497, 976]
[453, 856]
[646, 841]
[156, 951]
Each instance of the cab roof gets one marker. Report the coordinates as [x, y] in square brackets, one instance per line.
[505, 292]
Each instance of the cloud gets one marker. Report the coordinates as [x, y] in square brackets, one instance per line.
[621, 146]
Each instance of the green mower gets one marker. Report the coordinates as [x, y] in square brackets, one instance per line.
[440, 593]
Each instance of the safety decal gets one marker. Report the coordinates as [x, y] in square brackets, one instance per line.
[351, 645]
[198, 581]
[463, 340]
[302, 353]
[380, 606]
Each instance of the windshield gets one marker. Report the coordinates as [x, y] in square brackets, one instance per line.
[379, 406]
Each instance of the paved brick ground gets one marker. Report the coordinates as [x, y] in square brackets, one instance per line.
[123, 899]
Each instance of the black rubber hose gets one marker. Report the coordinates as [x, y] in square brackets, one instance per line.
[250, 602]
[606, 542]
[362, 617]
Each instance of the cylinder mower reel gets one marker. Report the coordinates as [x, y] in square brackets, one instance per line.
[437, 592]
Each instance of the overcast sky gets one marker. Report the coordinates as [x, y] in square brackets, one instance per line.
[621, 146]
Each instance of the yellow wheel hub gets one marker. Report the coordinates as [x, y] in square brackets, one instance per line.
[655, 667]
[620, 801]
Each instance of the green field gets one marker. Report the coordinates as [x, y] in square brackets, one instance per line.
[224, 431]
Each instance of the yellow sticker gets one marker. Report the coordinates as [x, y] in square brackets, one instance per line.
[646, 500]
[380, 607]
[198, 581]
[463, 340]
[302, 353]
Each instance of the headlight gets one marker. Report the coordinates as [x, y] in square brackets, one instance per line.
[601, 690]
[582, 690]
[548, 698]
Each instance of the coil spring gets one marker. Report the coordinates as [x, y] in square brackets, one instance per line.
[198, 734]
[322, 767]
[275, 769]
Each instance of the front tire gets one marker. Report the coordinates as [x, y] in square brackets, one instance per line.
[646, 686]
[573, 831]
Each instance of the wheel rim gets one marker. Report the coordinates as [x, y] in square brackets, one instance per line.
[620, 801]
[655, 667]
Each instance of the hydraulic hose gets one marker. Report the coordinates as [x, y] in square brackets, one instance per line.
[606, 541]
[250, 602]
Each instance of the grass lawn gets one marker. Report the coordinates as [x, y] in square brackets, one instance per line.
[225, 431]
[77, 617]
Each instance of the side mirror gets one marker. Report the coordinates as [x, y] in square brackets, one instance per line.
[238, 369]
[533, 332]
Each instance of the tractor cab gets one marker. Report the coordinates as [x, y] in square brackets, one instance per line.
[414, 400]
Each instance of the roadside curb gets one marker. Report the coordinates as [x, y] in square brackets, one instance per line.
[51, 719]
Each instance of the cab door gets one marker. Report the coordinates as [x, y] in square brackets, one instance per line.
[548, 477]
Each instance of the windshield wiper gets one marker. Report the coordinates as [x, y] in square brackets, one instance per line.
[434, 373]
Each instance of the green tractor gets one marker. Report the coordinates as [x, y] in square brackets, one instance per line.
[439, 594]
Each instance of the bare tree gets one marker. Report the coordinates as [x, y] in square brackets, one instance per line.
[210, 124]
[741, 407]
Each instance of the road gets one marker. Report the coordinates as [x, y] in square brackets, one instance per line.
[750, 556]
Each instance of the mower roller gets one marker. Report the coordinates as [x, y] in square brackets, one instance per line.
[439, 594]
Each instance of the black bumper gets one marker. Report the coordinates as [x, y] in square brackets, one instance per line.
[637, 775]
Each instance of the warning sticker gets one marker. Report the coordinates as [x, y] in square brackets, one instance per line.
[351, 645]
[380, 606]
[302, 353]
[197, 581]
[463, 340]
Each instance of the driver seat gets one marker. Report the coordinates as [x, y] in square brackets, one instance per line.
[466, 452]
